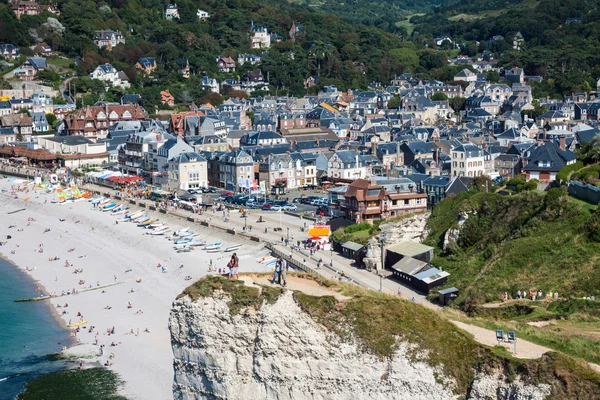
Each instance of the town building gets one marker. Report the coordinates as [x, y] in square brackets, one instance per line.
[108, 39]
[107, 73]
[188, 170]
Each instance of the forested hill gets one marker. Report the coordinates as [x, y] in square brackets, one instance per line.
[553, 45]
[341, 53]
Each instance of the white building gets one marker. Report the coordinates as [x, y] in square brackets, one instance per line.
[108, 73]
[188, 171]
[202, 15]
[467, 160]
[261, 39]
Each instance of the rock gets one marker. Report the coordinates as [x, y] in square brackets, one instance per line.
[280, 352]
[411, 228]
[495, 387]
[451, 236]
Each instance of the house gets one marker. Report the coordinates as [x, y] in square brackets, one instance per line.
[75, 151]
[40, 123]
[93, 122]
[518, 41]
[310, 81]
[248, 58]
[9, 51]
[254, 80]
[466, 75]
[202, 15]
[508, 165]
[30, 68]
[167, 98]
[295, 30]
[7, 135]
[410, 264]
[544, 161]
[188, 170]
[467, 160]
[368, 200]
[146, 64]
[278, 171]
[210, 83]
[171, 12]
[441, 39]
[21, 124]
[515, 75]
[42, 49]
[225, 64]
[349, 165]
[109, 74]
[183, 67]
[108, 38]
[42, 103]
[260, 39]
[230, 170]
[31, 7]
[498, 92]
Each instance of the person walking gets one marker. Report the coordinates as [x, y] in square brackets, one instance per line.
[276, 273]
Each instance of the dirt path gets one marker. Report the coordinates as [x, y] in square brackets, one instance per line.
[487, 337]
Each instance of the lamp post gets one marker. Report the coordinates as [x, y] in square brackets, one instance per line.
[245, 222]
[288, 233]
[331, 250]
[382, 239]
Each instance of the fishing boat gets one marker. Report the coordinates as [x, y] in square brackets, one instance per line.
[232, 248]
[197, 242]
[186, 234]
[106, 200]
[161, 230]
[155, 225]
[185, 249]
[179, 246]
[112, 207]
[122, 210]
[96, 200]
[132, 216]
[183, 241]
[146, 223]
[141, 218]
[214, 246]
[181, 232]
[213, 250]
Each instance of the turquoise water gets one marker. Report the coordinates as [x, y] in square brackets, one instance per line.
[25, 324]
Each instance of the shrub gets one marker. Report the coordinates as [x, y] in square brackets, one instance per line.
[565, 172]
[358, 227]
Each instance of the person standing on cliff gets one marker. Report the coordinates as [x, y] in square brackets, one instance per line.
[236, 264]
[283, 273]
[276, 273]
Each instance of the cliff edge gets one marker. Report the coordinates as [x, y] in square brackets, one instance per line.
[319, 340]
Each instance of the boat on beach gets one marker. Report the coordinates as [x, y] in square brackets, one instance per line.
[197, 242]
[146, 222]
[133, 215]
[181, 232]
[161, 230]
[214, 246]
[122, 210]
[112, 207]
[141, 218]
[232, 248]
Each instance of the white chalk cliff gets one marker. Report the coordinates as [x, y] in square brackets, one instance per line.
[279, 352]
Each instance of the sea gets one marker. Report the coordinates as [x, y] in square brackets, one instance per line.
[29, 333]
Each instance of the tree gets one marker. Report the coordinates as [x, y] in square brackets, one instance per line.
[457, 103]
[52, 120]
[405, 59]
[439, 96]
[394, 102]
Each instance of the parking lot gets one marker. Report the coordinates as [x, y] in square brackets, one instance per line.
[298, 201]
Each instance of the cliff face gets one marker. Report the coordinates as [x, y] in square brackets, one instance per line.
[279, 352]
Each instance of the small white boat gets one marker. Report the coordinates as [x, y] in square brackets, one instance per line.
[146, 223]
[214, 246]
[159, 231]
[132, 216]
[95, 200]
[106, 200]
[181, 232]
[186, 234]
[179, 246]
[185, 249]
[122, 210]
[155, 225]
[183, 241]
[232, 248]
[197, 242]
[213, 250]
[141, 218]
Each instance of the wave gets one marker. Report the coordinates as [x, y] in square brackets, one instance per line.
[9, 377]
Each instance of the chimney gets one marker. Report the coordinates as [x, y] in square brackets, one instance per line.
[436, 156]
[563, 143]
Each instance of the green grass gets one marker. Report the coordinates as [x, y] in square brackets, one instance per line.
[409, 26]
[242, 296]
[88, 384]
[524, 6]
[60, 62]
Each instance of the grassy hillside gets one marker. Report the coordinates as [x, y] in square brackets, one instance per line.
[532, 240]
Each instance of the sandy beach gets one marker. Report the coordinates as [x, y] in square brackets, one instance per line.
[116, 256]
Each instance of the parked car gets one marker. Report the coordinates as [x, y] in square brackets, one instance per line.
[224, 196]
[290, 207]
[266, 207]
[212, 190]
[192, 191]
[297, 200]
